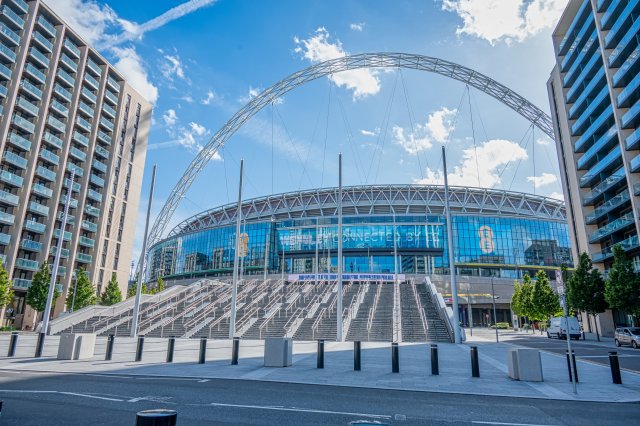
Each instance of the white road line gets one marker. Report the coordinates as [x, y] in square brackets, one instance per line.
[301, 410]
[507, 424]
[83, 395]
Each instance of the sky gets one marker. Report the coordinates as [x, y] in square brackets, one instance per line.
[200, 61]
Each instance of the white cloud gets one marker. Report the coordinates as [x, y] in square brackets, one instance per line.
[132, 68]
[209, 98]
[357, 26]
[198, 129]
[188, 99]
[491, 155]
[170, 117]
[369, 132]
[505, 20]
[437, 129]
[318, 48]
[543, 179]
[557, 195]
[172, 67]
[543, 142]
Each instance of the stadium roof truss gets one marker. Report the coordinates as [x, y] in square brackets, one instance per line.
[378, 200]
[365, 60]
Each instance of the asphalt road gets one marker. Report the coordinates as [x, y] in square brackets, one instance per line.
[587, 350]
[63, 399]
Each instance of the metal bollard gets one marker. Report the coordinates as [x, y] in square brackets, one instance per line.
[139, 348]
[435, 370]
[159, 417]
[356, 356]
[109, 353]
[615, 368]
[320, 363]
[475, 366]
[573, 355]
[395, 358]
[203, 350]
[40, 345]
[13, 343]
[170, 347]
[235, 351]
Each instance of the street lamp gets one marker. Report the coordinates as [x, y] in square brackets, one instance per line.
[495, 318]
[75, 286]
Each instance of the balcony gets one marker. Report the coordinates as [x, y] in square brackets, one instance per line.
[75, 169]
[5, 72]
[94, 195]
[99, 166]
[7, 218]
[109, 111]
[19, 141]
[39, 57]
[24, 124]
[59, 108]
[67, 235]
[102, 136]
[9, 34]
[85, 109]
[89, 95]
[607, 207]
[615, 226]
[3, 91]
[102, 152]
[86, 242]
[42, 41]
[92, 211]
[71, 219]
[77, 154]
[33, 226]
[609, 16]
[625, 46]
[45, 173]
[579, 73]
[600, 124]
[582, 44]
[69, 63]
[62, 92]
[71, 48]
[21, 4]
[89, 226]
[38, 208]
[7, 53]
[628, 69]
[31, 89]
[568, 39]
[98, 181]
[603, 144]
[633, 140]
[31, 245]
[9, 198]
[623, 20]
[5, 239]
[28, 264]
[41, 190]
[65, 77]
[95, 68]
[83, 124]
[12, 16]
[631, 118]
[80, 138]
[52, 140]
[609, 161]
[111, 97]
[15, 159]
[628, 244]
[27, 106]
[64, 253]
[106, 123]
[55, 123]
[113, 84]
[35, 73]
[21, 283]
[91, 81]
[84, 258]
[11, 178]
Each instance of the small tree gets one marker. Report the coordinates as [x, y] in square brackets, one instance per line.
[521, 302]
[131, 291]
[586, 288]
[160, 285]
[545, 301]
[112, 294]
[39, 289]
[622, 289]
[85, 294]
[6, 293]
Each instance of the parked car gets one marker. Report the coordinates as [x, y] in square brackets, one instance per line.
[627, 336]
[558, 328]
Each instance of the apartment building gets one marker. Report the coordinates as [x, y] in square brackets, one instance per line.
[594, 92]
[64, 110]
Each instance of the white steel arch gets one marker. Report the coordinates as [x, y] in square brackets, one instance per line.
[365, 60]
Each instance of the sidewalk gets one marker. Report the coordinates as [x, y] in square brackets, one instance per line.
[415, 374]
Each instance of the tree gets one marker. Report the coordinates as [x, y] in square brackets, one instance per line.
[545, 301]
[38, 291]
[85, 294]
[6, 293]
[160, 285]
[586, 289]
[622, 289]
[112, 294]
[131, 291]
[521, 303]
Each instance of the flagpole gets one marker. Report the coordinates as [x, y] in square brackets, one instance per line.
[452, 267]
[234, 289]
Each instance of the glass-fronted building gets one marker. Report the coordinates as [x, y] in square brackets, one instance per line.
[386, 229]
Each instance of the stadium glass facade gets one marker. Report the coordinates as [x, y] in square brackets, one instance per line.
[490, 243]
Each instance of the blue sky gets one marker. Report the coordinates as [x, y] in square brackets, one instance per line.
[200, 61]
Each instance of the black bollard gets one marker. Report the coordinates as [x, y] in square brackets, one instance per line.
[615, 368]
[235, 351]
[475, 366]
[203, 350]
[435, 370]
[109, 353]
[159, 417]
[13, 343]
[139, 348]
[170, 347]
[573, 355]
[395, 358]
[356, 356]
[39, 345]
[320, 363]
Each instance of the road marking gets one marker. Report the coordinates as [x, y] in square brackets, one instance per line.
[301, 410]
[83, 395]
[507, 424]
[150, 398]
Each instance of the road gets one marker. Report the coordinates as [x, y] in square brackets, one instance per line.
[587, 350]
[62, 399]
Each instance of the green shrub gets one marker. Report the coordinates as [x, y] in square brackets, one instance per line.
[501, 326]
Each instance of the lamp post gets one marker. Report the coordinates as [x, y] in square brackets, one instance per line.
[495, 318]
[75, 286]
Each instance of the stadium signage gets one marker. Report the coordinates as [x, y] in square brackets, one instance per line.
[345, 277]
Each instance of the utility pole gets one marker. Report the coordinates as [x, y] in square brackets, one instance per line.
[234, 288]
[495, 318]
[339, 304]
[452, 266]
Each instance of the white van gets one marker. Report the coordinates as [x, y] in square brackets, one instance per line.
[558, 328]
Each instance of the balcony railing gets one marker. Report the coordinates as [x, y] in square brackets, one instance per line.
[56, 124]
[62, 92]
[92, 81]
[99, 166]
[113, 84]
[84, 124]
[84, 258]
[49, 156]
[9, 34]
[59, 108]
[111, 97]
[5, 72]
[66, 77]
[102, 152]
[38, 208]
[75, 152]
[91, 210]
[109, 111]
[95, 68]
[34, 72]
[608, 206]
[67, 235]
[33, 226]
[80, 138]
[7, 218]
[610, 182]
[21, 283]
[104, 137]
[24, 124]
[15, 159]
[86, 242]
[11, 178]
[73, 168]
[618, 224]
[31, 245]
[89, 95]
[45, 173]
[97, 181]
[64, 253]
[5, 239]
[39, 56]
[71, 47]
[42, 41]
[27, 106]
[8, 198]
[28, 264]
[86, 109]
[89, 226]
[47, 26]
[69, 62]
[94, 195]
[106, 123]
[42, 190]
[76, 185]
[628, 244]
[19, 141]
[13, 17]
